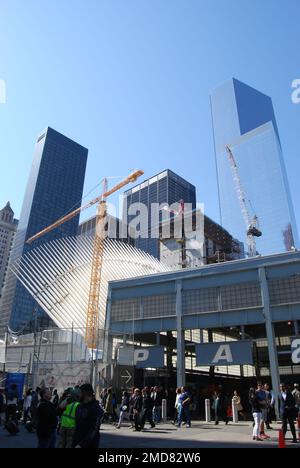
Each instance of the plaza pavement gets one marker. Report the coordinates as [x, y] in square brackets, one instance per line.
[200, 435]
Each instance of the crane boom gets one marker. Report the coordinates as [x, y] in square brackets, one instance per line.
[239, 188]
[131, 178]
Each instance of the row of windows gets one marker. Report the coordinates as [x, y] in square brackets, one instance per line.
[231, 297]
[239, 296]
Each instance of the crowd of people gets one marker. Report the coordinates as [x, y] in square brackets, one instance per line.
[145, 405]
[262, 405]
[73, 418]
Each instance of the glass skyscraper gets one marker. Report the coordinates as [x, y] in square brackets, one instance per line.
[244, 120]
[164, 188]
[54, 188]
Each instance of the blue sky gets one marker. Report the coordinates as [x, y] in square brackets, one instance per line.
[130, 80]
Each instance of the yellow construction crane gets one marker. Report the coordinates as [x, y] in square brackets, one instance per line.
[91, 334]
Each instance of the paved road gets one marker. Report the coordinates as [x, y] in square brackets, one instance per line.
[200, 435]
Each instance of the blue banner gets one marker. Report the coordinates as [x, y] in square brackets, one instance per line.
[15, 378]
[230, 353]
[152, 356]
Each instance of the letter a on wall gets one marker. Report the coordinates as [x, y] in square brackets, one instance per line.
[231, 353]
[223, 355]
[295, 345]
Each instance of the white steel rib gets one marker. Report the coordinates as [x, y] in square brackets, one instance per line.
[57, 275]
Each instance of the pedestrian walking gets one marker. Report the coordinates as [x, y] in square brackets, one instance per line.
[176, 406]
[114, 407]
[11, 404]
[46, 421]
[124, 408]
[220, 406]
[270, 405]
[27, 406]
[88, 419]
[263, 402]
[296, 395]
[34, 404]
[237, 400]
[184, 402]
[287, 410]
[157, 397]
[137, 409]
[132, 398]
[147, 408]
[109, 406]
[256, 413]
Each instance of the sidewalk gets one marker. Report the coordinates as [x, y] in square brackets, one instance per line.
[200, 435]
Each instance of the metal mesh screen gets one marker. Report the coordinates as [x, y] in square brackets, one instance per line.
[240, 295]
[200, 300]
[125, 309]
[284, 290]
[157, 306]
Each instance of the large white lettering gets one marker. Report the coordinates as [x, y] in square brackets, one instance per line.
[223, 354]
[296, 351]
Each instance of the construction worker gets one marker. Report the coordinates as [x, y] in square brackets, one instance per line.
[68, 419]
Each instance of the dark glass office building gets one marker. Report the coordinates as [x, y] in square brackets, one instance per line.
[244, 119]
[164, 188]
[54, 188]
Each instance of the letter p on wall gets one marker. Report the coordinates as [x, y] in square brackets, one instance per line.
[2, 92]
[141, 355]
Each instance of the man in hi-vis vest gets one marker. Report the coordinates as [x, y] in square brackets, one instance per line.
[68, 422]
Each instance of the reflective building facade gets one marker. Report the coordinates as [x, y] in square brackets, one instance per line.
[244, 119]
[164, 188]
[54, 188]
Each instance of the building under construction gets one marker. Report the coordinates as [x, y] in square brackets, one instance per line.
[203, 242]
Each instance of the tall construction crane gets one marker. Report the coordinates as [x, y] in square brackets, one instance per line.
[91, 333]
[252, 224]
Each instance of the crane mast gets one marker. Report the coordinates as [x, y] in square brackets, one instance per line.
[250, 223]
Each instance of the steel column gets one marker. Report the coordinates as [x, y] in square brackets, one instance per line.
[272, 349]
[180, 337]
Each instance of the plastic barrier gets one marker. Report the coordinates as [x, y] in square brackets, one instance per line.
[281, 440]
